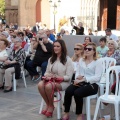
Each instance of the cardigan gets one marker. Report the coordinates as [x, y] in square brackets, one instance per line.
[59, 70]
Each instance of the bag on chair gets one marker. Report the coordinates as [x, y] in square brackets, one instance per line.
[53, 82]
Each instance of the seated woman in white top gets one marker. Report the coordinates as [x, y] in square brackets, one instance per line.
[78, 53]
[87, 76]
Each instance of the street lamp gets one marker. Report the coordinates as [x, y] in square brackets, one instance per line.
[54, 4]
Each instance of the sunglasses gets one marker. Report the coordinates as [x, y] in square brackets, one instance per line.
[89, 49]
[77, 49]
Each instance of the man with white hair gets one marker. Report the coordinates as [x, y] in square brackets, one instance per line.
[43, 53]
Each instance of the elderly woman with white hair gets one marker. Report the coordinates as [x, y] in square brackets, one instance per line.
[113, 51]
[12, 65]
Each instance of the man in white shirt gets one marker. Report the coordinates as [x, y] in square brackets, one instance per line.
[110, 35]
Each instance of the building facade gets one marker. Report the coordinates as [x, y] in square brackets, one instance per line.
[26, 12]
[95, 14]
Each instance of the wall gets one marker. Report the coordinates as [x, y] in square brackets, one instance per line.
[27, 12]
[11, 11]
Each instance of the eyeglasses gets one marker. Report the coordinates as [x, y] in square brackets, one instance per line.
[89, 49]
[110, 43]
[77, 49]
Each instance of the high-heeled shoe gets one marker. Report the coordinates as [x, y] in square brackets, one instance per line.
[49, 114]
[67, 118]
[44, 111]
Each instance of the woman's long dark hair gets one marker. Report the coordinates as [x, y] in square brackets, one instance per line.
[63, 57]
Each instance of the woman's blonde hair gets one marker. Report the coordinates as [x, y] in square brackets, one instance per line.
[75, 57]
[95, 56]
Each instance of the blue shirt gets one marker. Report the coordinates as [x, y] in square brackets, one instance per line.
[52, 37]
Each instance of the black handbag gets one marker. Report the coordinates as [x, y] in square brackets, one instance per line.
[3, 66]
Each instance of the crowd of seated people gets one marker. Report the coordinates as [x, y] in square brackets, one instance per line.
[43, 50]
[87, 67]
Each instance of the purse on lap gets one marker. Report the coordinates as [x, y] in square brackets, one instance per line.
[53, 82]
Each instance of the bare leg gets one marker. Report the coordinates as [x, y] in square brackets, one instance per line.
[41, 88]
[49, 90]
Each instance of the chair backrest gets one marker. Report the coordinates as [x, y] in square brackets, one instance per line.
[108, 62]
[116, 73]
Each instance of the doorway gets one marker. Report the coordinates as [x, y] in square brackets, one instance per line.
[112, 14]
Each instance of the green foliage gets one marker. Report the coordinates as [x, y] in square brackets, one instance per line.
[2, 7]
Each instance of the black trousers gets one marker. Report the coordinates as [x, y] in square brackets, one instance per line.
[79, 93]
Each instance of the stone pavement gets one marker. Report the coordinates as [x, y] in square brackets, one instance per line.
[24, 104]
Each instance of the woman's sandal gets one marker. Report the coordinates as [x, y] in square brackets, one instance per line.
[44, 111]
[49, 114]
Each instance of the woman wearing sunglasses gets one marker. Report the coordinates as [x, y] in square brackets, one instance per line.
[86, 78]
[78, 53]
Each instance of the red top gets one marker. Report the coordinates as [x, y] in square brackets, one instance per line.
[23, 44]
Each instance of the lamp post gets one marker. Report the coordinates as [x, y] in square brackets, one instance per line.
[54, 4]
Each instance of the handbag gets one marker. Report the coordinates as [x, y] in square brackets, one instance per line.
[53, 82]
[103, 78]
[3, 66]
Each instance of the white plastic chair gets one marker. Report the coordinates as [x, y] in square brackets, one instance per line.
[15, 82]
[86, 105]
[107, 62]
[87, 102]
[107, 97]
[58, 105]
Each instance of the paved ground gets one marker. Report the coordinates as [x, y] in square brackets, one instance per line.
[24, 104]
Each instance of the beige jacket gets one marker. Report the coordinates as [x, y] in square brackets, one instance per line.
[66, 71]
